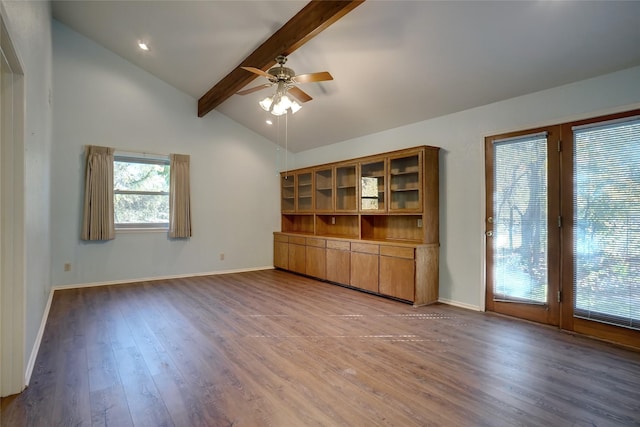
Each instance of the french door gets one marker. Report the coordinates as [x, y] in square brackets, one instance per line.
[563, 226]
[601, 232]
[522, 234]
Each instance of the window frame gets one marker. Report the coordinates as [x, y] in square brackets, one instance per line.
[144, 158]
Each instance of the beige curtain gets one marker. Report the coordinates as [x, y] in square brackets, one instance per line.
[179, 197]
[97, 218]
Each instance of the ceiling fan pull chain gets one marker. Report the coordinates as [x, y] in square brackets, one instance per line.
[278, 147]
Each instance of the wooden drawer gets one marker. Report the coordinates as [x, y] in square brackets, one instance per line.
[318, 243]
[397, 251]
[280, 238]
[339, 245]
[297, 240]
[365, 248]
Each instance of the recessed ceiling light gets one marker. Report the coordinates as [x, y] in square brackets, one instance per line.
[143, 46]
[269, 122]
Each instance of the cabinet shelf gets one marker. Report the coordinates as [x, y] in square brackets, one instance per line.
[404, 189]
[413, 172]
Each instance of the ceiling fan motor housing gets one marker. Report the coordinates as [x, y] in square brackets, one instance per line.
[280, 74]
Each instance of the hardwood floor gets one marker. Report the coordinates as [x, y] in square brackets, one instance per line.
[269, 348]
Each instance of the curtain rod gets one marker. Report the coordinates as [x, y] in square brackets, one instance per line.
[130, 151]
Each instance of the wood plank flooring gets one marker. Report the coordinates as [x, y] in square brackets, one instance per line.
[270, 348]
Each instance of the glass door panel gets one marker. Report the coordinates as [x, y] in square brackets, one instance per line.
[287, 192]
[519, 249]
[324, 190]
[346, 188]
[606, 232]
[405, 181]
[372, 186]
[305, 192]
[520, 220]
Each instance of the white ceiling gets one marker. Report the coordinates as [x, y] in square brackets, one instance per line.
[393, 62]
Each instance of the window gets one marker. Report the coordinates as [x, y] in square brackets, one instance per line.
[141, 191]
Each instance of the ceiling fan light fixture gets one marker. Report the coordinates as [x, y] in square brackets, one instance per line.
[279, 104]
[295, 107]
[285, 102]
[266, 103]
[277, 110]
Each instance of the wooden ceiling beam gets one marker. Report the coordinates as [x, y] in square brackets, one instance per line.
[306, 24]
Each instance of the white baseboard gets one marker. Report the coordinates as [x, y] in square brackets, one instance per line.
[149, 279]
[36, 345]
[460, 304]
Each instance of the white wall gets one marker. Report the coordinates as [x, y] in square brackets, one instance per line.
[461, 136]
[29, 26]
[101, 99]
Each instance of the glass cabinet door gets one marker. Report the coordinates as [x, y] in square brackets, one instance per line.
[324, 190]
[305, 192]
[287, 193]
[372, 186]
[346, 186]
[405, 182]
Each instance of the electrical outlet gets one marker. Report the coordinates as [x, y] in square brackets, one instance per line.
[333, 220]
[67, 266]
[419, 222]
[222, 257]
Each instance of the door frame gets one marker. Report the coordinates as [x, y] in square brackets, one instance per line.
[548, 313]
[12, 222]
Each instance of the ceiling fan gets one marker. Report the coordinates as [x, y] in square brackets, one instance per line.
[286, 80]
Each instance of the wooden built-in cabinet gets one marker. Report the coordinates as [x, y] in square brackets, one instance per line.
[370, 223]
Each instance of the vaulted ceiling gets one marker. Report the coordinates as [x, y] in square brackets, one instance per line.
[393, 62]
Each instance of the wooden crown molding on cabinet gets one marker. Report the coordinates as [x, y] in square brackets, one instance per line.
[306, 24]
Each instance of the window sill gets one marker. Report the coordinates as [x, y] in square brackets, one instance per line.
[142, 230]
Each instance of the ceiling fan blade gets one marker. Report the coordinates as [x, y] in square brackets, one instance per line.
[253, 89]
[257, 71]
[299, 94]
[313, 77]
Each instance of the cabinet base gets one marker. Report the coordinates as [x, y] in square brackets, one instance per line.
[353, 288]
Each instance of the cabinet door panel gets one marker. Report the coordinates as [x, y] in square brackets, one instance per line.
[316, 262]
[281, 255]
[297, 256]
[405, 183]
[397, 277]
[338, 266]
[364, 271]
[287, 193]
